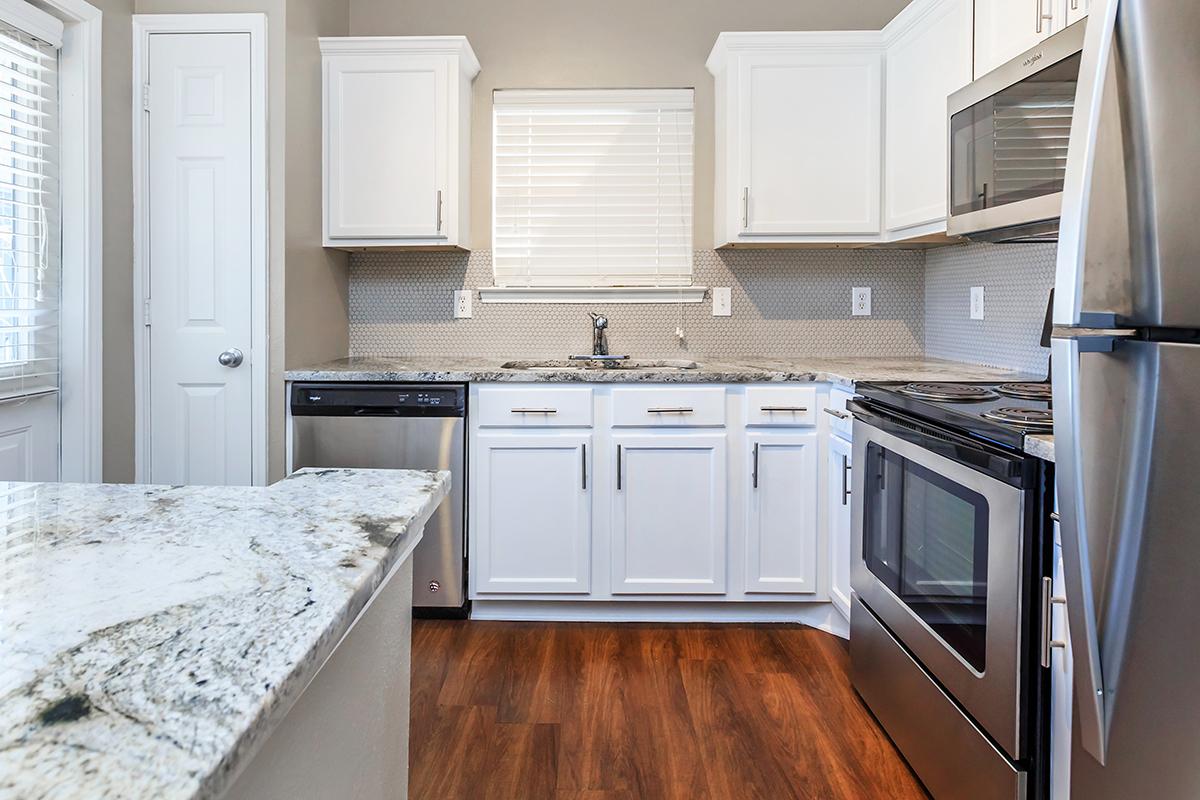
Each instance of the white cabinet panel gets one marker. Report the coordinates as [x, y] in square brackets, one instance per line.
[526, 406]
[669, 513]
[929, 59]
[809, 128]
[396, 157]
[387, 152]
[781, 406]
[799, 126]
[838, 483]
[668, 406]
[781, 513]
[532, 513]
[1006, 28]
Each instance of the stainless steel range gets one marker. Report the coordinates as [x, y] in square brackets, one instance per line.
[951, 542]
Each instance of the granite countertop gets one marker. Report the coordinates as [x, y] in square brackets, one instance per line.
[151, 637]
[1040, 445]
[843, 371]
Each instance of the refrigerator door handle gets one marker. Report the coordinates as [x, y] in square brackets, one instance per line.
[1077, 572]
[1081, 166]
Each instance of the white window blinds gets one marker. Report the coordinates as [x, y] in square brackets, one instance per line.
[30, 246]
[592, 188]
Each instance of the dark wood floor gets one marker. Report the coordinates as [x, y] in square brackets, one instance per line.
[526, 711]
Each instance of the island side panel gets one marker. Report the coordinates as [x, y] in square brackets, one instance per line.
[347, 734]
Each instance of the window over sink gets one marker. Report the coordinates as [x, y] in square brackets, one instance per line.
[592, 191]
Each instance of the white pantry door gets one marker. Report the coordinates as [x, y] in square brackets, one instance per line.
[200, 256]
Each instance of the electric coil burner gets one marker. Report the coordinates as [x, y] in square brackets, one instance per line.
[1026, 391]
[1031, 418]
[948, 392]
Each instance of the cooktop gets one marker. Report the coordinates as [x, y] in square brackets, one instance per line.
[1003, 413]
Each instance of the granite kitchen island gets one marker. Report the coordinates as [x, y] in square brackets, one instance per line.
[163, 641]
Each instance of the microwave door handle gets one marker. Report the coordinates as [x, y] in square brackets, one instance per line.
[1086, 118]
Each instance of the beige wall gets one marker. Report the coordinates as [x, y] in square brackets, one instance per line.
[532, 44]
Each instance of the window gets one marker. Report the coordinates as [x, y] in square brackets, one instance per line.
[592, 188]
[30, 247]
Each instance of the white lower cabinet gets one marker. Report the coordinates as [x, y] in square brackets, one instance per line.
[838, 464]
[532, 515]
[781, 513]
[669, 513]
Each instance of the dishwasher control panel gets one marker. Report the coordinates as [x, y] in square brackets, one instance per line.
[378, 399]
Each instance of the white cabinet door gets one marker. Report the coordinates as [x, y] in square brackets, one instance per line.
[1076, 10]
[837, 482]
[809, 128]
[1006, 28]
[926, 63]
[532, 514]
[781, 513]
[669, 518]
[386, 145]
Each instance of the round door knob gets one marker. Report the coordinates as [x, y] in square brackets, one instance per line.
[231, 358]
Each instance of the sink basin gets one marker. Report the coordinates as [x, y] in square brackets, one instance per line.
[628, 365]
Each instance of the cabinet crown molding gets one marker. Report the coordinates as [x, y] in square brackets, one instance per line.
[402, 45]
[790, 42]
[914, 15]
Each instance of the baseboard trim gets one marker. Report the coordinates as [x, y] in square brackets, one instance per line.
[823, 616]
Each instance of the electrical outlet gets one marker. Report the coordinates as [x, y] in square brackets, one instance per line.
[976, 302]
[722, 302]
[860, 301]
[462, 304]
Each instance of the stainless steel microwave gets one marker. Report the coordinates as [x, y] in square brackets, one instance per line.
[1008, 144]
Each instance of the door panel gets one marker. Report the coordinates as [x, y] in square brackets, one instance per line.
[1006, 28]
[532, 517]
[838, 470]
[29, 439]
[810, 133]
[199, 265]
[669, 521]
[387, 145]
[781, 513]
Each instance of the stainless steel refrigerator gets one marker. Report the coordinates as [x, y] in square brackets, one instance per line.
[1127, 402]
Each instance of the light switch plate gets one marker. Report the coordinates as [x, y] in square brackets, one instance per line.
[722, 301]
[976, 302]
[860, 301]
[462, 304]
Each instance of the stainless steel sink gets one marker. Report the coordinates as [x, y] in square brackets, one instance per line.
[626, 365]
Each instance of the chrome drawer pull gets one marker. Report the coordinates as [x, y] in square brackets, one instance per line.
[783, 409]
[833, 412]
[681, 410]
[534, 410]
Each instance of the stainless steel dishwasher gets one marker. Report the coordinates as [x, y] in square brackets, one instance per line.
[397, 426]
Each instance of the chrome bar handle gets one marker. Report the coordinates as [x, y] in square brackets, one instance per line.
[679, 410]
[1042, 16]
[833, 412]
[746, 208]
[845, 480]
[783, 409]
[1048, 603]
[754, 469]
[584, 459]
[1077, 570]
[439, 211]
[533, 410]
[618, 468]
[1074, 5]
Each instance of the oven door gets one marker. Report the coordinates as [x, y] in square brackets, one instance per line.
[939, 558]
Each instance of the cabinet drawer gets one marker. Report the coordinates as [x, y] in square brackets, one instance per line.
[840, 420]
[692, 406]
[781, 405]
[534, 407]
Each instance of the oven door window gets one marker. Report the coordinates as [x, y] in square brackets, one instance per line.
[925, 537]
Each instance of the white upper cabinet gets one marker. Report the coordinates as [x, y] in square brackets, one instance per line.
[928, 59]
[1006, 28]
[799, 121]
[397, 125]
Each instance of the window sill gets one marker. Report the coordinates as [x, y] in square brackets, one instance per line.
[606, 294]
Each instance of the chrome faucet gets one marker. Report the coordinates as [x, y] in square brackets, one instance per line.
[599, 340]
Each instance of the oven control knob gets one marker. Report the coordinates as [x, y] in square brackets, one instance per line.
[434, 586]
